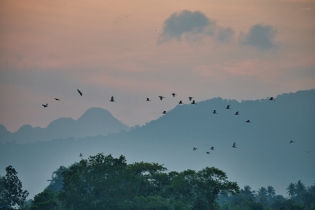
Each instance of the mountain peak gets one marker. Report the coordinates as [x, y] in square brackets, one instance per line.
[95, 113]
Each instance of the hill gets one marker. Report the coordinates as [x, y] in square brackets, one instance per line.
[95, 121]
[263, 155]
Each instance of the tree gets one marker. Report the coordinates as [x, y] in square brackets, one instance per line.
[262, 196]
[300, 188]
[104, 182]
[291, 190]
[56, 180]
[271, 192]
[11, 193]
[45, 200]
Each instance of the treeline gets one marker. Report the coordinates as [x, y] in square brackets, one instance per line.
[105, 182]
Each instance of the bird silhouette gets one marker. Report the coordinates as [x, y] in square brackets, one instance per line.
[148, 99]
[45, 105]
[248, 121]
[112, 99]
[164, 112]
[271, 99]
[212, 148]
[81, 155]
[161, 97]
[190, 98]
[292, 141]
[228, 107]
[234, 145]
[180, 102]
[173, 94]
[194, 149]
[57, 99]
[79, 92]
[208, 153]
[214, 112]
[236, 113]
[193, 102]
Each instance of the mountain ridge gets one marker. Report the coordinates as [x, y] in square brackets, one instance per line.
[103, 123]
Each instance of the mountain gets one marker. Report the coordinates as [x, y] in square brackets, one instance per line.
[95, 121]
[264, 155]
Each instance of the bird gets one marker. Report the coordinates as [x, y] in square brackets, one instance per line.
[81, 155]
[57, 99]
[271, 99]
[193, 102]
[79, 92]
[291, 141]
[228, 107]
[45, 105]
[194, 149]
[180, 102]
[234, 145]
[214, 112]
[164, 112]
[208, 153]
[236, 113]
[148, 99]
[248, 121]
[173, 94]
[161, 97]
[212, 148]
[112, 99]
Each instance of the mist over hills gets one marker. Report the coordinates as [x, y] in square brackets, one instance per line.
[95, 121]
[263, 155]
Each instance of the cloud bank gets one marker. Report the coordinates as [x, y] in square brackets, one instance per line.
[195, 25]
[260, 36]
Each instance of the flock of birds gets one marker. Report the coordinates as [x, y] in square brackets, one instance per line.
[180, 102]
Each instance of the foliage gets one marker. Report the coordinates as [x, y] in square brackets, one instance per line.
[56, 180]
[11, 193]
[104, 182]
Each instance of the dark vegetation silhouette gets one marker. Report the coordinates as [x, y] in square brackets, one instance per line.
[104, 182]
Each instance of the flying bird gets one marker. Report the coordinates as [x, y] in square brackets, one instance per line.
[45, 105]
[190, 98]
[236, 113]
[193, 102]
[234, 145]
[228, 107]
[173, 94]
[208, 153]
[248, 121]
[112, 99]
[57, 99]
[148, 99]
[271, 99]
[161, 97]
[79, 92]
[214, 112]
[164, 112]
[292, 141]
[180, 102]
[81, 155]
[212, 148]
[194, 149]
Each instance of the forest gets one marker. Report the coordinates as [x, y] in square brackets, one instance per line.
[105, 182]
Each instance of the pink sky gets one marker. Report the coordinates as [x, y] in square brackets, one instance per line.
[50, 48]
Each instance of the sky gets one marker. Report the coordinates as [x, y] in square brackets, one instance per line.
[243, 50]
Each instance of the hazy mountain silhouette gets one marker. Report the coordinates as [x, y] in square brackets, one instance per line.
[95, 121]
[263, 155]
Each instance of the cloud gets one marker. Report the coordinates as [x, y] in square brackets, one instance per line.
[192, 26]
[260, 36]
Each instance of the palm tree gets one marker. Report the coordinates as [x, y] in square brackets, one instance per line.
[291, 190]
[271, 192]
[248, 192]
[262, 196]
[300, 188]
